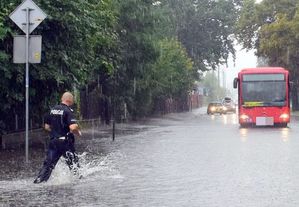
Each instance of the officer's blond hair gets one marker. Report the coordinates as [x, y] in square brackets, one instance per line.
[67, 97]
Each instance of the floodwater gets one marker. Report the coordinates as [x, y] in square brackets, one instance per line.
[187, 159]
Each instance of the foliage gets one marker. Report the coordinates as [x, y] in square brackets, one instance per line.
[74, 35]
[132, 53]
[271, 28]
[205, 29]
[172, 74]
[137, 51]
[211, 83]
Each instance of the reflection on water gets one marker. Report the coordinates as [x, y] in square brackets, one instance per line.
[285, 134]
[224, 119]
[243, 134]
[235, 119]
[230, 119]
[213, 117]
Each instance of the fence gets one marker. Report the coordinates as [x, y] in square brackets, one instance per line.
[39, 137]
[16, 140]
[97, 127]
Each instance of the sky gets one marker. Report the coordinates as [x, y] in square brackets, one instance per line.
[244, 59]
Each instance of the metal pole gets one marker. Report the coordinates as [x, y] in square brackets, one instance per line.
[113, 112]
[27, 82]
[113, 129]
[92, 128]
[218, 76]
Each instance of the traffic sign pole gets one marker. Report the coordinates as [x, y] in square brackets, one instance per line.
[34, 13]
[27, 82]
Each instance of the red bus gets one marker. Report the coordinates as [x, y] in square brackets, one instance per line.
[263, 96]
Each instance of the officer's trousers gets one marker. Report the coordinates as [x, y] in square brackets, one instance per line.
[57, 148]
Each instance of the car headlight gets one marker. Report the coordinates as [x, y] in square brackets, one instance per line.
[224, 108]
[213, 108]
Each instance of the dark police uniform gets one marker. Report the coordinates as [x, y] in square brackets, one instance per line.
[61, 141]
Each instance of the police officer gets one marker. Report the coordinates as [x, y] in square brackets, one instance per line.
[61, 126]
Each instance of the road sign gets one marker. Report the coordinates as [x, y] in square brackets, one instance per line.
[27, 16]
[18, 16]
[19, 48]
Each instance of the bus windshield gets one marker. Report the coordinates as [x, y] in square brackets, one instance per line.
[264, 90]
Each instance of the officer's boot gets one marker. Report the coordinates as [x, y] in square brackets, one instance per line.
[72, 160]
[43, 175]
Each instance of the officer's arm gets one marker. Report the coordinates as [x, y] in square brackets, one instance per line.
[47, 122]
[72, 122]
[47, 127]
[74, 128]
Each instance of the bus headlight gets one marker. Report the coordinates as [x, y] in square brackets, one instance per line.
[284, 116]
[244, 117]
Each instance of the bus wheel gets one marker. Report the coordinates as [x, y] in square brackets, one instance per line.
[243, 125]
[282, 125]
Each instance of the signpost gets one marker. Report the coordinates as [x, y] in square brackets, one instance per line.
[19, 50]
[27, 16]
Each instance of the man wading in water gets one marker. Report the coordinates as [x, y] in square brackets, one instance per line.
[61, 126]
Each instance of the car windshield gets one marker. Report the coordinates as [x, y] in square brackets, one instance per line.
[215, 104]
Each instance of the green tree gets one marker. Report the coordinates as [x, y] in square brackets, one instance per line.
[137, 51]
[73, 34]
[204, 27]
[173, 74]
[115, 47]
[211, 83]
[271, 28]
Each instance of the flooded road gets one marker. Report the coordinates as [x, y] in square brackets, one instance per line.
[188, 159]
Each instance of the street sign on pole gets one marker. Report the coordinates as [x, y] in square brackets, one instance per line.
[27, 16]
[19, 48]
[18, 16]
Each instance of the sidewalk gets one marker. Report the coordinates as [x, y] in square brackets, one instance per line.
[295, 113]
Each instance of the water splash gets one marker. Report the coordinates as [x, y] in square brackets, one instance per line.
[91, 166]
